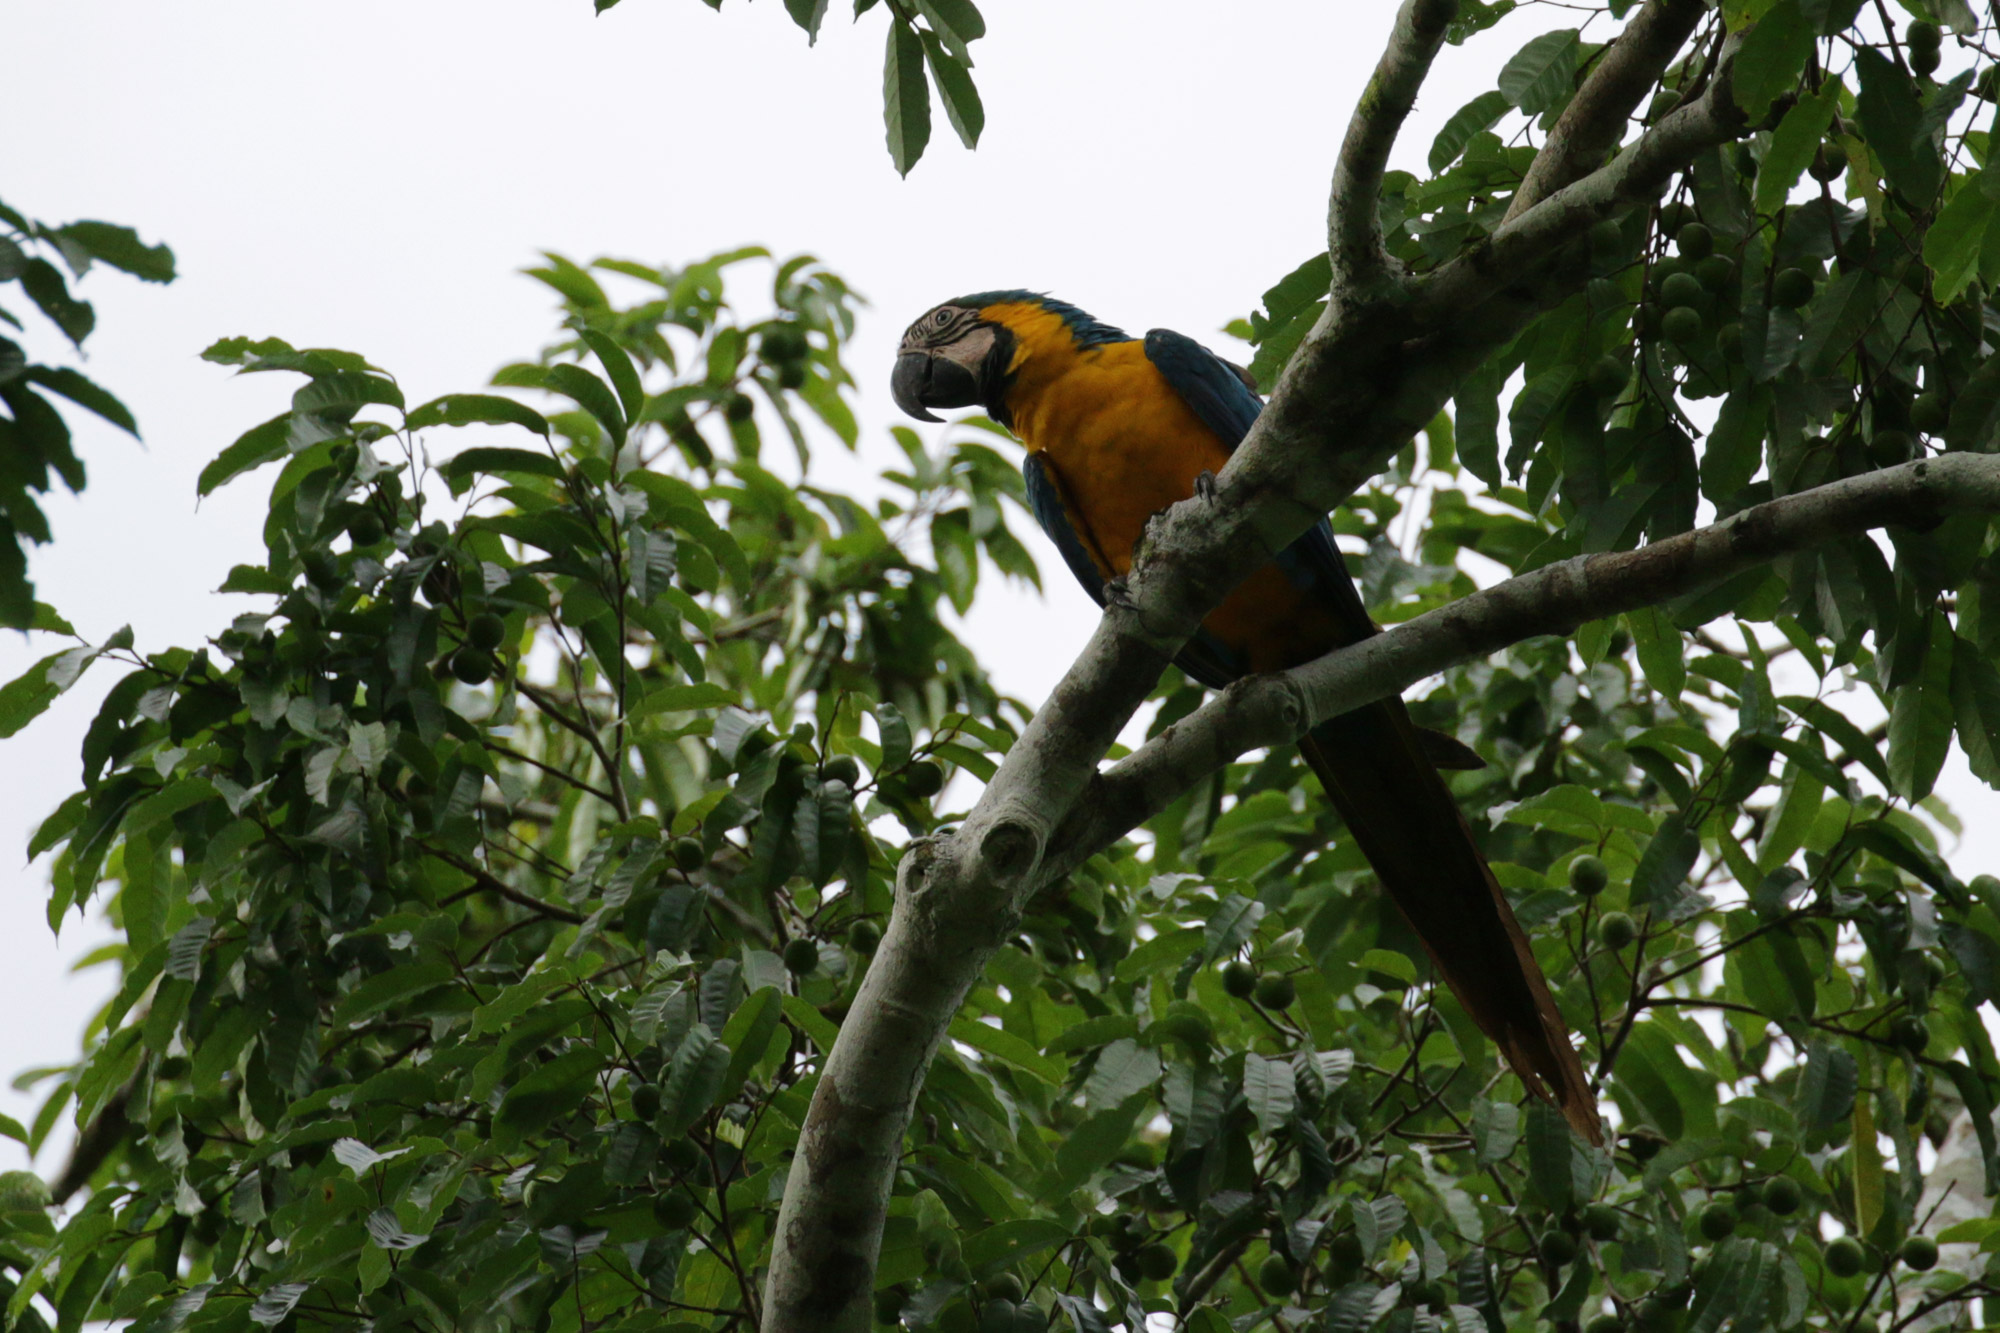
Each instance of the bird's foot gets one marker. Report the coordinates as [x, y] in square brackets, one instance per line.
[1116, 594]
[1204, 486]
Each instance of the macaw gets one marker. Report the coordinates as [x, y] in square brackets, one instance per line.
[1117, 429]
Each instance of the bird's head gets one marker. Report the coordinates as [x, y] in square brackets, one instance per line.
[965, 352]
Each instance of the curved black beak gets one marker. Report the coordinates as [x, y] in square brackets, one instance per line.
[910, 382]
[921, 382]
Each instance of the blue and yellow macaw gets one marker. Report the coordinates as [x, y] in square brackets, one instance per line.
[1119, 428]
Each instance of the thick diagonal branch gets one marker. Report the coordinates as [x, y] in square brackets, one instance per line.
[1279, 708]
[1592, 124]
[1354, 229]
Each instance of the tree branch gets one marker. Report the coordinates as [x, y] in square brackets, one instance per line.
[1594, 121]
[1277, 709]
[1354, 228]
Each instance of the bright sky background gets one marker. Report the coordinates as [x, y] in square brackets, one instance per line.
[370, 175]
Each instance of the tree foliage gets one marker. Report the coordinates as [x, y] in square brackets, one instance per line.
[490, 903]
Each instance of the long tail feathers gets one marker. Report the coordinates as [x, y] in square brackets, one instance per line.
[1374, 768]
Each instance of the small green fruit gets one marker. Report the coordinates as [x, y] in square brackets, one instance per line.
[1276, 991]
[1715, 273]
[1919, 1253]
[1924, 35]
[1924, 63]
[841, 768]
[1558, 1247]
[1602, 1221]
[680, 1156]
[1681, 325]
[1843, 1256]
[1346, 1252]
[472, 666]
[1277, 1276]
[1157, 1262]
[173, 1066]
[1694, 241]
[673, 1210]
[739, 409]
[1681, 288]
[1607, 243]
[22, 1192]
[1608, 375]
[1005, 1287]
[689, 854]
[1929, 413]
[1865, 1324]
[1783, 1196]
[801, 957]
[486, 631]
[1792, 288]
[1617, 930]
[1729, 339]
[323, 568]
[1986, 888]
[924, 779]
[1910, 1032]
[1717, 1221]
[1239, 979]
[364, 529]
[864, 937]
[1605, 1323]
[1030, 1318]
[1887, 448]
[1829, 164]
[997, 1316]
[1587, 876]
[646, 1100]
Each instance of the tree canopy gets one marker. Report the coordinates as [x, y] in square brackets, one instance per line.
[601, 892]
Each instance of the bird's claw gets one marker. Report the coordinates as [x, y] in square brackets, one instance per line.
[1204, 486]
[1115, 594]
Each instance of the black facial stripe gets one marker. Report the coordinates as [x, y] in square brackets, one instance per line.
[940, 327]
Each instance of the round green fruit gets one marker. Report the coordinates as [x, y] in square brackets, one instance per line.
[323, 568]
[1276, 1276]
[646, 1100]
[1681, 288]
[841, 768]
[1694, 241]
[924, 779]
[486, 631]
[1239, 979]
[1276, 991]
[1729, 339]
[1346, 1252]
[1681, 325]
[1986, 888]
[1924, 61]
[1865, 1324]
[792, 375]
[1157, 1262]
[1910, 1032]
[1924, 35]
[1887, 448]
[1030, 1318]
[1617, 930]
[1005, 1287]
[364, 529]
[673, 1210]
[864, 937]
[680, 1156]
[689, 854]
[1605, 1323]
[1602, 1221]
[801, 957]
[1919, 1253]
[472, 666]
[1843, 1256]
[1783, 1196]
[174, 1066]
[1717, 1221]
[1608, 375]
[1587, 876]
[22, 1192]
[1829, 164]
[1607, 241]
[1557, 1247]
[1715, 273]
[997, 1317]
[739, 409]
[1929, 412]
[1792, 288]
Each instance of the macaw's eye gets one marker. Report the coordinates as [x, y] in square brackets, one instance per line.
[941, 318]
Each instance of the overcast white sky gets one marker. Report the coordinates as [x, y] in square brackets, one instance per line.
[371, 175]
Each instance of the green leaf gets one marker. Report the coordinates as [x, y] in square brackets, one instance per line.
[1541, 72]
[28, 695]
[1772, 57]
[469, 409]
[1826, 1086]
[693, 1080]
[1270, 1090]
[1660, 647]
[956, 23]
[1004, 1045]
[1953, 244]
[254, 448]
[1975, 701]
[525, 462]
[121, 248]
[748, 1033]
[1122, 1069]
[906, 97]
[1920, 718]
[1839, 316]
[1660, 878]
[808, 14]
[624, 375]
[45, 287]
[592, 394]
[1891, 117]
[1793, 144]
[962, 106]
[84, 393]
[1474, 117]
[1094, 1144]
